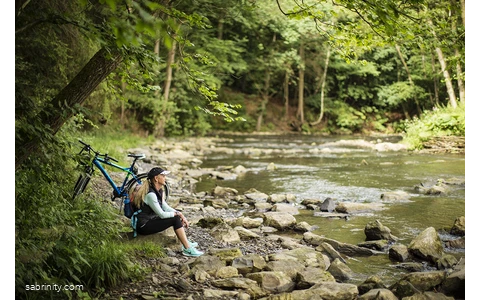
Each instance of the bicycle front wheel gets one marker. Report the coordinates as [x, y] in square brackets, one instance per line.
[81, 184]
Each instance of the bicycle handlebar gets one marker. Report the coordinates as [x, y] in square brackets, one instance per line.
[87, 147]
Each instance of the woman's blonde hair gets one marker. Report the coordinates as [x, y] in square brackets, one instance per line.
[141, 193]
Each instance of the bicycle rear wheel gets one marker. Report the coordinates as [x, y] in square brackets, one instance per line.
[138, 179]
[81, 184]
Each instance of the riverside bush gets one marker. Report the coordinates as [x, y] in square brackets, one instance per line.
[444, 121]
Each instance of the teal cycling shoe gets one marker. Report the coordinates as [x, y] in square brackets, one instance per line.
[192, 244]
[191, 252]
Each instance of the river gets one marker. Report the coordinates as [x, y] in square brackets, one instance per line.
[314, 167]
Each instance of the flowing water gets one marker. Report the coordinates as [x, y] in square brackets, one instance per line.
[312, 167]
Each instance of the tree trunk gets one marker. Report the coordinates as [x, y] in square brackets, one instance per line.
[435, 81]
[263, 107]
[301, 83]
[405, 111]
[322, 92]
[458, 69]
[122, 115]
[285, 91]
[159, 130]
[220, 29]
[461, 85]
[168, 80]
[165, 114]
[264, 102]
[410, 80]
[426, 78]
[446, 74]
[462, 3]
[75, 93]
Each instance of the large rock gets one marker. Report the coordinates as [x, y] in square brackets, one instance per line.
[327, 290]
[378, 294]
[427, 245]
[375, 230]
[279, 220]
[275, 282]
[249, 263]
[458, 227]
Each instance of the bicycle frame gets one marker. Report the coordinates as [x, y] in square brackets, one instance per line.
[118, 191]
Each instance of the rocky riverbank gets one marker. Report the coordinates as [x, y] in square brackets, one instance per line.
[249, 251]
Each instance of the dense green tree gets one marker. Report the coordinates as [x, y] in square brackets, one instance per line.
[119, 34]
[231, 36]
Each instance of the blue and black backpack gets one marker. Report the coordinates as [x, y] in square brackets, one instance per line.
[130, 210]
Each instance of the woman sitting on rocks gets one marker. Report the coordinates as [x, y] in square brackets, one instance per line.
[156, 215]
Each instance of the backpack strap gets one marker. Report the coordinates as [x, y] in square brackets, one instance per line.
[133, 222]
[133, 219]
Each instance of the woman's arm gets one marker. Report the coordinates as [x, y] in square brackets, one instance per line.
[152, 201]
[167, 207]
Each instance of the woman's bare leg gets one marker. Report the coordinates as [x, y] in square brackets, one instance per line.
[180, 232]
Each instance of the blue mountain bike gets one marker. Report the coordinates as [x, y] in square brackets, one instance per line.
[97, 160]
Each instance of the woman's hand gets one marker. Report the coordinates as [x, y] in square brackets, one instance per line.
[184, 220]
[185, 223]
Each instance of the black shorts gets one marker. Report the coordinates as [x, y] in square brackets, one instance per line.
[158, 224]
